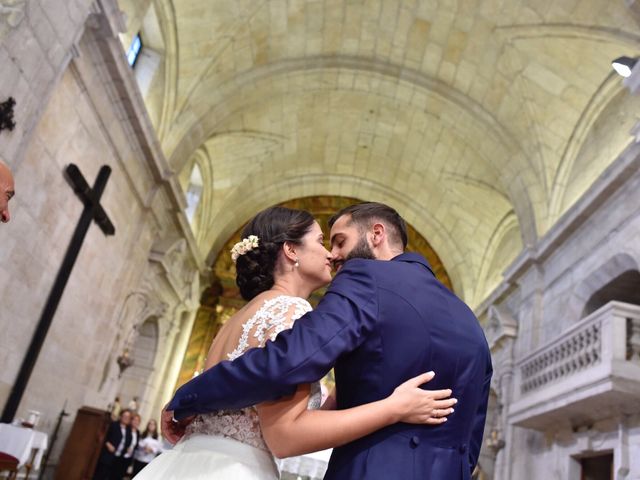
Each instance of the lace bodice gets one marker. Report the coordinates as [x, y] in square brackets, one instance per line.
[274, 316]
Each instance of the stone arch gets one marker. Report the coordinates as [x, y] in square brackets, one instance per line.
[198, 209]
[571, 31]
[598, 280]
[323, 207]
[374, 79]
[490, 273]
[526, 50]
[201, 123]
[222, 298]
[250, 200]
[193, 191]
[603, 98]
[136, 380]
[607, 141]
[165, 11]
[625, 287]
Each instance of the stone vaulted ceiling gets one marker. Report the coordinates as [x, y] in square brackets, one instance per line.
[481, 121]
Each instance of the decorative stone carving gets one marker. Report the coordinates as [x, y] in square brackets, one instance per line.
[587, 374]
[107, 19]
[174, 259]
[12, 12]
[138, 306]
[634, 7]
[501, 331]
[578, 351]
[495, 441]
[500, 327]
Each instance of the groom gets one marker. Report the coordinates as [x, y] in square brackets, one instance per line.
[384, 319]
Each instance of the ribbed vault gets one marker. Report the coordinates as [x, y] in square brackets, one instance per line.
[481, 121]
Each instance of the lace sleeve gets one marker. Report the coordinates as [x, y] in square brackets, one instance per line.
[282, 316]
[275, 315]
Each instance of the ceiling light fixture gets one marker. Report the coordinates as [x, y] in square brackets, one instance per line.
[624, 65]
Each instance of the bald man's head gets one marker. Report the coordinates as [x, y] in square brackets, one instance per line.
[7, 191]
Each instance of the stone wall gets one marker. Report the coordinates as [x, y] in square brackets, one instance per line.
[87, 110]
[36, 40]
[544, 294]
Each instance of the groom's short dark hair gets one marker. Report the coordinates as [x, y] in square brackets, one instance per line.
[364, 214]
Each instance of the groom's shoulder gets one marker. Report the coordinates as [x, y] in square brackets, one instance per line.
[355, 273]
[368, 268]
[358, 267]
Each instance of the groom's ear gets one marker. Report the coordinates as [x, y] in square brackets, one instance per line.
[378, 234]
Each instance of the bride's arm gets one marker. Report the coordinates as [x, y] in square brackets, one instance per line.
[290, 429]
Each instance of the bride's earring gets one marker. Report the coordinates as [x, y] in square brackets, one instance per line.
[297, 264]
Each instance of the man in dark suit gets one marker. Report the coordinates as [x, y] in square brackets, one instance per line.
[384, 319]
[116, 443]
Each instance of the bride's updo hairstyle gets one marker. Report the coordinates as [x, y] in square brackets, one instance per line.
[273, 227]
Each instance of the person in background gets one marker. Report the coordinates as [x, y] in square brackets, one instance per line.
[149, 447]
[116, 443]
[127, 458]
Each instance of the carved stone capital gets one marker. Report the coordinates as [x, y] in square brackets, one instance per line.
[634, 7]
[107, 19]
[173, 258]
[500, 327]
[632, 82]
[12, 12]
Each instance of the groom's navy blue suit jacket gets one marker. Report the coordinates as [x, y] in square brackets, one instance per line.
[380, 323]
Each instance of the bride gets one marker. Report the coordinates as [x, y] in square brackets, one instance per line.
[280, 262]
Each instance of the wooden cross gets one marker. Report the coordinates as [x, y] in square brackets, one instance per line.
[92, 211]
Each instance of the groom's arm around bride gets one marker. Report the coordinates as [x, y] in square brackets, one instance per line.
[381, 322]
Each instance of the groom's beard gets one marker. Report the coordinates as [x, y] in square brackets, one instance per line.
[361, 250]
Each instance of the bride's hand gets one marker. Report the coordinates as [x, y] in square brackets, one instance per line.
[415, 405]
[171, 429]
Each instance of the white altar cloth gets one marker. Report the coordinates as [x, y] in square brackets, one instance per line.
[21, 443]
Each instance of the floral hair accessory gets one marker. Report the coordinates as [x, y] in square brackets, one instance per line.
[244, 246]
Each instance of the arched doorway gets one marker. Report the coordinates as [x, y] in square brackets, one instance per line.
[623, 288]
[136, 379]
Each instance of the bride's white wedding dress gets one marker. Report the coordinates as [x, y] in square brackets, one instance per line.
[228, 444]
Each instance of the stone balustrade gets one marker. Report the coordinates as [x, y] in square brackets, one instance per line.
[589, 372]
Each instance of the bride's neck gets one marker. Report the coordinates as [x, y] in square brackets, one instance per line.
[292, 285]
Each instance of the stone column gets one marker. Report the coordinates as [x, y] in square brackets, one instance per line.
[502, 466]
[205, 327]
[165, 375]
[633, 81]
[501, 334]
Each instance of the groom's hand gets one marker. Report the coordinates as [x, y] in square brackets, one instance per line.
[173, 430]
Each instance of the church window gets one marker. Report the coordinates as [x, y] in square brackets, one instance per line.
[134, 50]
[194, 192]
